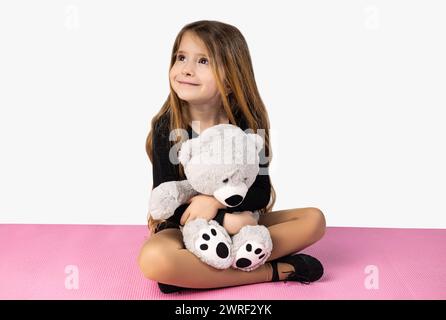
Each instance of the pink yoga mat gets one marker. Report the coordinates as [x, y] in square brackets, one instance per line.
[100, 262]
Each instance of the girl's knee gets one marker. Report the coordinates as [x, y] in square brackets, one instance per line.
[155, 262]
[318, 222]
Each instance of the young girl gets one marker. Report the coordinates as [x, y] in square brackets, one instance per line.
[212, 82]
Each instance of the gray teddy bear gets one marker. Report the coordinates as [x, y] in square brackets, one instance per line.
[223, 161]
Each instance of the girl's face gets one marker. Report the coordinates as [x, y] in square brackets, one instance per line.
[191, 76]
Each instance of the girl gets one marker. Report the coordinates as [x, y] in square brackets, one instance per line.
[212, 82]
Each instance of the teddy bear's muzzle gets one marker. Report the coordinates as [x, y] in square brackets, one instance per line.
[234, 200]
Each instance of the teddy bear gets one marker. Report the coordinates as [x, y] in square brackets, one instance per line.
[223, 161]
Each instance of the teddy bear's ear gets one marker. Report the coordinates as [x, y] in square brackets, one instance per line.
[185, 152]
[258, 140]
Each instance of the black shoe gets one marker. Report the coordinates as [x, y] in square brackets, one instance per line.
[167, 288]
[307, 268]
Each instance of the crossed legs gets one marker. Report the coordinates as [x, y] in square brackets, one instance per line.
[163, 257]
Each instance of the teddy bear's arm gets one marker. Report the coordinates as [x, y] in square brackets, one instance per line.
[168, 196]
[185, 191]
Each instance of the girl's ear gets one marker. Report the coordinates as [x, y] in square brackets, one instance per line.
[258, 140]
[185, 152]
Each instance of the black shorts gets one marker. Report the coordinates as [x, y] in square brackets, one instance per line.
[166, 225]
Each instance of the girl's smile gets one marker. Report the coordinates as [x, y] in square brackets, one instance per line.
[188, 83]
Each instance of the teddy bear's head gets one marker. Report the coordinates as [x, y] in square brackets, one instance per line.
[222, 161]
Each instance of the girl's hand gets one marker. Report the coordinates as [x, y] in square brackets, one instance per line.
[201, 206]
[233, 222]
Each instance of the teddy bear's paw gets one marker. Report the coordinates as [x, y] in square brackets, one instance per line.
[163, 200]
[210, 242]
[250, 256]
[252, 246]
[162, 210]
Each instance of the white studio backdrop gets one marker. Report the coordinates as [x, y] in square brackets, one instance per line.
[356, 93]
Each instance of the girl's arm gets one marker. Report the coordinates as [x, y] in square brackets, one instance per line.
[168, 190]
[201, 206]
[162, 168]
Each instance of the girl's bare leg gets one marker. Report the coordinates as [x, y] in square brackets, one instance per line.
[163, 257]
[293, 230]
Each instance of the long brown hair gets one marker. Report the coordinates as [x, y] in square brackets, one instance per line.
[229, 56]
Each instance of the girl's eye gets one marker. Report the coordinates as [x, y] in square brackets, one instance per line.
[180, 56]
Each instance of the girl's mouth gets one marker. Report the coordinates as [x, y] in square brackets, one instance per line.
[189, 84]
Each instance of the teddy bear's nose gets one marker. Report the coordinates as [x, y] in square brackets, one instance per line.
[234, 200]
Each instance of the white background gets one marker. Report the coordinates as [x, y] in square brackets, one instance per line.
[356, 94]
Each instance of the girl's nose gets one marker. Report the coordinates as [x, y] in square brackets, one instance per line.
[186, 72]
[187, 69]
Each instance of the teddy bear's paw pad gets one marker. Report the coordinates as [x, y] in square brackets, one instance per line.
[213, 245]
[250, 256]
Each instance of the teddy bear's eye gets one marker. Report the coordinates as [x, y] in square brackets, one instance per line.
[226, 180]
[245, 179]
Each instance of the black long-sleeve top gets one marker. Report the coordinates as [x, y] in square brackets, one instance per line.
[256, 198]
